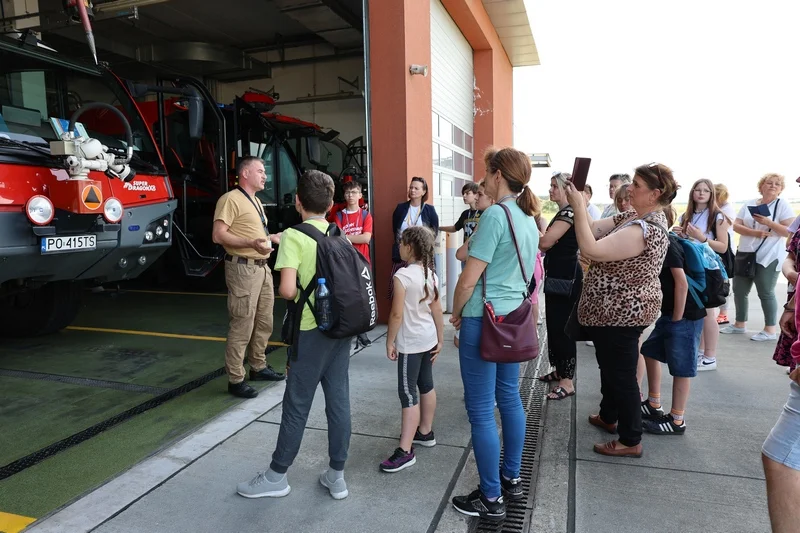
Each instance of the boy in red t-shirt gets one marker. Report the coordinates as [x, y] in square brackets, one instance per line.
[356, 225]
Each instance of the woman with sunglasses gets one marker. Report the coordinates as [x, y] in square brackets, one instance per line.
[622, 296]
[414, 212]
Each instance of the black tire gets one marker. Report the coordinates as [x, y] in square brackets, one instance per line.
[41, 311]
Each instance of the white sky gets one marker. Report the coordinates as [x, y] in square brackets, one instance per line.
[707, 87]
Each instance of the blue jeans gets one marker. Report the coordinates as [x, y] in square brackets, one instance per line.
[483, 383]
[675, 343]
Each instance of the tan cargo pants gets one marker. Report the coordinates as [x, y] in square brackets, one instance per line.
[251, 299]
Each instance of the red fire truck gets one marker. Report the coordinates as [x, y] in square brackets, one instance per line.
[84, 193]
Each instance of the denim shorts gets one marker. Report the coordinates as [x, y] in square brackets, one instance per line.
[675, 343]
[783, 443]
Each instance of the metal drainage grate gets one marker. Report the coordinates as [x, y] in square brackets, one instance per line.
[532, 392]
[38, 456]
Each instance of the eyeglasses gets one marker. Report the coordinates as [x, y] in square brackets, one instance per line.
[352, 192]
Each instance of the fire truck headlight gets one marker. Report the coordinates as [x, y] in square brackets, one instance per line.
[112, 210]
[40, 210]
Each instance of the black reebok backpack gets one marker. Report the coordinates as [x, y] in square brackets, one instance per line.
[348, 277]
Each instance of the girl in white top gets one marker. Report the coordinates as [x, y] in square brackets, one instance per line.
[705, 222]
[415, 336]
[765, 235]
[729, 210]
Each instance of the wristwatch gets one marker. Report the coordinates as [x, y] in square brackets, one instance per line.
[788, 307]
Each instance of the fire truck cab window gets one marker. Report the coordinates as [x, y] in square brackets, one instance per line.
[288, 176]
[31, 97]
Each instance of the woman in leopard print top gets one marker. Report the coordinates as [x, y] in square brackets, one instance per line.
[622, 296]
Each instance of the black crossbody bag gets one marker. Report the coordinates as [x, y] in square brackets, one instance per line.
[745, 262]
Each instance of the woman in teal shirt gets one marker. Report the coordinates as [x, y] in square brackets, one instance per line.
[491, 249]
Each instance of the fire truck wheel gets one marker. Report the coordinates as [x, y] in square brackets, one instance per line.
[41, 311]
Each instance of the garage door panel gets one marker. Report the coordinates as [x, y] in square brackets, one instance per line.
[452, 77]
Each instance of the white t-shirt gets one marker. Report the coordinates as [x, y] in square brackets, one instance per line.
[413, 218]
[610, 210]
[729, 211]
[594, 212]
[774, 246]
[417, 333]
[700, 221]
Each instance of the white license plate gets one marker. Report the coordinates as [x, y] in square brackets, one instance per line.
[74, 243]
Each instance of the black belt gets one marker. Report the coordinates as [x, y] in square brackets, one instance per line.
[245, 260]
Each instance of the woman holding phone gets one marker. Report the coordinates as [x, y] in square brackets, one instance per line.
[763, 236]
[705, 222]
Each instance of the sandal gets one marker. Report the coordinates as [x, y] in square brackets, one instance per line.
[549, 378]
[560, 393]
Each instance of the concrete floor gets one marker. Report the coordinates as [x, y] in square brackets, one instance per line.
[708, 480]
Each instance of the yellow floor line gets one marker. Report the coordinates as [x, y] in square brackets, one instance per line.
[13, 523]
[179, 293]
[157, 334]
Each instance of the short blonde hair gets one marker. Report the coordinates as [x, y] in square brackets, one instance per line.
[721, 192]
[770, 176]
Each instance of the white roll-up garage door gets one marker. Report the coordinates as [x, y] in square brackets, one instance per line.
[452, 102]
[452, 74]
[452, 86]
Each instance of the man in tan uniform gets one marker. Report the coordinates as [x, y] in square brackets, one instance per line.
[240, 226]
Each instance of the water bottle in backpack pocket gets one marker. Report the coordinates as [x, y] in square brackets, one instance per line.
[322, 305]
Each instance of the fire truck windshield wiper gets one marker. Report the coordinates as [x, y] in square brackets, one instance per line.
[25, 145]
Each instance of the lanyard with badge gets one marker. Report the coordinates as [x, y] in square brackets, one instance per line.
[259, 211]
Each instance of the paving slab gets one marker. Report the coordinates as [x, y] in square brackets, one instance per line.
[709, 479]
[623, 498]
[202, 498]
[375, 404]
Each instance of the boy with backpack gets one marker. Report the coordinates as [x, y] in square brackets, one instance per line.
[674, 341]
[356, 225]
[320, 350]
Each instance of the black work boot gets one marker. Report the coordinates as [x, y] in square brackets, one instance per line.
[266, 374]
[242, 390]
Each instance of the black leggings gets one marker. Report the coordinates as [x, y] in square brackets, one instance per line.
[413, 370]
[561, 350]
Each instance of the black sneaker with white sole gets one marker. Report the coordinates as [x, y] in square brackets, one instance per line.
[512, 488]
[476, 504]
[649, 412]
[427, 441]
[664, 426]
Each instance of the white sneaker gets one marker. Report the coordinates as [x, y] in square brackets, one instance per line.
[730, 329]
[338, 488]
[261, 487]
[762, 336]
[707, 364]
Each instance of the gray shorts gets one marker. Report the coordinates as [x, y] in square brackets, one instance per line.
[414, 371]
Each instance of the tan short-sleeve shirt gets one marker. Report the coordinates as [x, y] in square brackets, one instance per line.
[235, 210]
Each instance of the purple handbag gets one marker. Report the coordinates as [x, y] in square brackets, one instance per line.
[514, 339]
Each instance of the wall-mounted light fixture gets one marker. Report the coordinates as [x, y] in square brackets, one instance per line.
[419, 69]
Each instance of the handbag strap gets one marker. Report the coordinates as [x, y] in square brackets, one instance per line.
[519, 255]
[774, 214]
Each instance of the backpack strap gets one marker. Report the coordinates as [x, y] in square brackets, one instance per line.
[305, 292]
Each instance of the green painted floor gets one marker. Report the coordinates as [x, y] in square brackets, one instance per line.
[35, 413]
